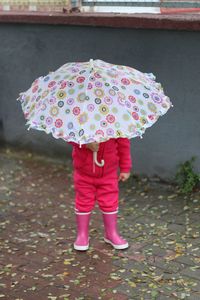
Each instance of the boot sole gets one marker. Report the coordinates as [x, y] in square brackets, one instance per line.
[81, 248]
[118, 247]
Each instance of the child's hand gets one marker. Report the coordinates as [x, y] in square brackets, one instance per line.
[123, 176]
[93, 146]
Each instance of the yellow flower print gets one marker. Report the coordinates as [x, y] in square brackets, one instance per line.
[45, 93]
[131, 128]
[143, 120]
[119, 133]
[54, 111]
[114, 110]
[99, 93]
[32, 107]
[103, 109]
[81, 97]
[83, 118]
[92, 127]
[152, 107]
[61, 94]
[126, 117]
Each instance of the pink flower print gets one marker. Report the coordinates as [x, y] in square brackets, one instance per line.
[110, 118]
[70, 101]
[51, 84]
[26, 115]
[156, 98]
[43, 107]
[110, 131]
[63, 85]
[74, 70]
[58, 123]
[97, 75]
[49, 120]
[151, 117]
[108, 100]
[36, 81]
[115, 82]
[99, 132]
[135, 116]
[38, 104]
[52, 100]
[121, 95]
[33, 98]
[120, 101]
[90, 107]
[80, 79]
[76, 110]
[35, 88]
[127, 104]
[132, 98]
[98, 84]
[90, 86]
[112, 92]
[54, 88]
[125, 81]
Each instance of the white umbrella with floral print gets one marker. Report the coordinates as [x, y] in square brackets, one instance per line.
[92, 101]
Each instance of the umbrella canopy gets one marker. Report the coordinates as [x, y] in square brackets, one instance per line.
[92, 101]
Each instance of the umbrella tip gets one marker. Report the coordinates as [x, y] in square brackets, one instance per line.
[92, 63]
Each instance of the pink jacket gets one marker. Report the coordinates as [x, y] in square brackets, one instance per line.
[115, 152]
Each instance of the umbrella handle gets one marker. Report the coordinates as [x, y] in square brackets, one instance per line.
[101, 164]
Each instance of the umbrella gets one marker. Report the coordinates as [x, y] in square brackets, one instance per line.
[94, 101]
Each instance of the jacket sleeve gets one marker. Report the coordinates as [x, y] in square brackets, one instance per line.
[124, 152]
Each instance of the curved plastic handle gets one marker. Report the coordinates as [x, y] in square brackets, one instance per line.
[101, 164]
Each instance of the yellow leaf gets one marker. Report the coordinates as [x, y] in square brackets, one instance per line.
[68, 261]
[132, 284]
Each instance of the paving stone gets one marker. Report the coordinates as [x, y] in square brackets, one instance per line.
[177, 228]
[169, 267]
[191, 272]
[187, 260]
[155, 250]
[194, 297]
[132, 293]
[38, 231]
[167, 290]
[194, 241]
[163, 297]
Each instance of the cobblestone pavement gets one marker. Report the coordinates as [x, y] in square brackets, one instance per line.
[37, 232]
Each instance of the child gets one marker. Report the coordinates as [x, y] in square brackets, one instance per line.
[101, 184]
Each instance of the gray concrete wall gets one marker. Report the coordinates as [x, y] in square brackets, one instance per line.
[29, 51]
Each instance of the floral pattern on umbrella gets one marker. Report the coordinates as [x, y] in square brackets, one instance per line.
[94, 101]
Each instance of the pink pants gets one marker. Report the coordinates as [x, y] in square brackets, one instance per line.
[88, 189]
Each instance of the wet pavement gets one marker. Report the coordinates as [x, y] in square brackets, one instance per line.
[37, 231]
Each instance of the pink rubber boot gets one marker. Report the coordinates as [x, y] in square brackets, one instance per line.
[111, 234]
[82, 240]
